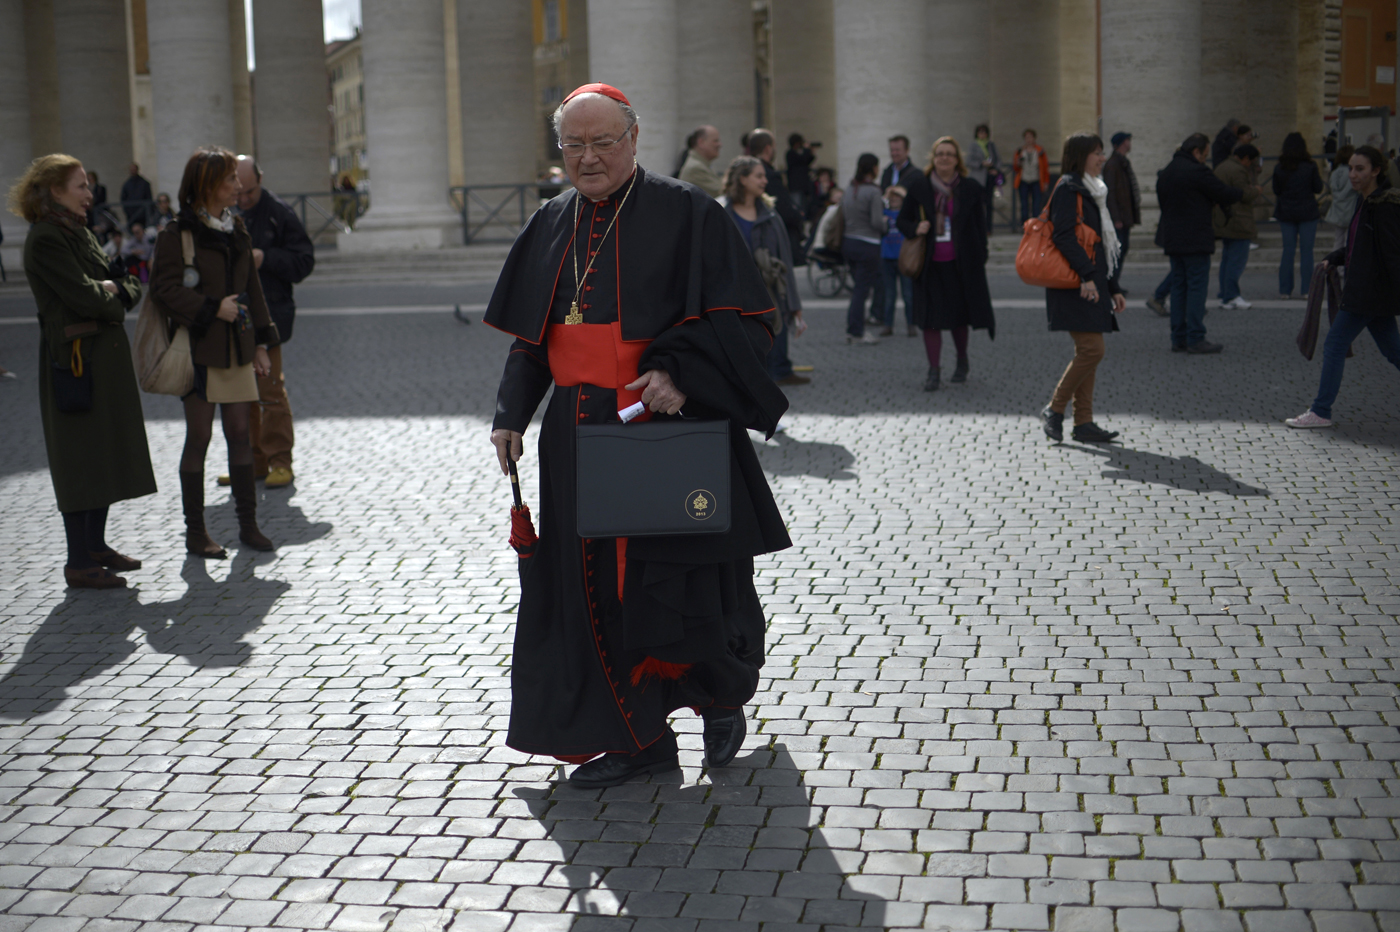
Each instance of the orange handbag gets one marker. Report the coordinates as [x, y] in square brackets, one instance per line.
[1038, 262]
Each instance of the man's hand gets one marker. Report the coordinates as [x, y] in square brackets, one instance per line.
[659, 393]
[257, 258]
[1119, 303]
[508, 443]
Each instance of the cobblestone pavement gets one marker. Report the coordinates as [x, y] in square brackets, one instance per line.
[1011, 685]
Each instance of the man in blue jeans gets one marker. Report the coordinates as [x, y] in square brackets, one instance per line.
[1187, 191]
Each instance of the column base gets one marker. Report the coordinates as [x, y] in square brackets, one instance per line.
[389, 232]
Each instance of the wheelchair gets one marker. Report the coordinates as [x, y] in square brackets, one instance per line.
[827, 273]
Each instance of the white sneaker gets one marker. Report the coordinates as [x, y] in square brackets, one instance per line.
[870, 337]
[1307, 419]
[1237, 304]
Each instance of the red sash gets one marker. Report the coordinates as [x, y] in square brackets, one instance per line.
[596, 354]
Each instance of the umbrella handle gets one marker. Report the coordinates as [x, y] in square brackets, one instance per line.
[514, 482]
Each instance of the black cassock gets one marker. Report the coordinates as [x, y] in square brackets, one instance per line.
[611, 638]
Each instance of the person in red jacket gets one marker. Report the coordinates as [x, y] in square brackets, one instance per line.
[1031, 174]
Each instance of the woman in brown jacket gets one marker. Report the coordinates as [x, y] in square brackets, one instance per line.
[216, 296]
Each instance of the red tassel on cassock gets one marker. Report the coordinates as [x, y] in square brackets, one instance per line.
[659, 669]
[522, 531]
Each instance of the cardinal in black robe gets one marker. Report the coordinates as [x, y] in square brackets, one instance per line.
[633, 287]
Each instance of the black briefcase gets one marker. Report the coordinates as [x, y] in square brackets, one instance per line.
[651, 479]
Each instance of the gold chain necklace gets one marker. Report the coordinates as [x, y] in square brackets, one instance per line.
[575, 316]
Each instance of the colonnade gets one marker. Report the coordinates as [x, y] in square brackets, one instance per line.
[68, 69]
[847, 72]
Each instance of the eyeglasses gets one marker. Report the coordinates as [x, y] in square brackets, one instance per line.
[600, 147]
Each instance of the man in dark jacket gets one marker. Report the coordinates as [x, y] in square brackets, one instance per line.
[136, 198]
[1187, 191]
[762, 147]
[283, 255]
[1124, 198]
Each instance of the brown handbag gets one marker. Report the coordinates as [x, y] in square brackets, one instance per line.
[913, 251]
[1039, 262]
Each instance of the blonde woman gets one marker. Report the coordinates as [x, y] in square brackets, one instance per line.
[945, 206]
[220, 300]
[89, 402]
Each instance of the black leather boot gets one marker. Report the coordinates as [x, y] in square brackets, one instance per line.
[1053, 423]
[245, 504]
[960, 373]
[197, 539]
[662, 756]
[931, 383]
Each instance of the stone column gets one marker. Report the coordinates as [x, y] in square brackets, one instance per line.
[959, 65]
[239, 78]
[1155, 44]
[41, 65]
[804, 73]
[1271, 88]
[497, 80]
[1224, 75]
[716, 74]
[1311, 25]
[633, 45]
[15, 148]
[191, 88]
[1079, 71]
[94, 89]
[405, 130]
[872, 103]
[292, 126]
[1025, 59]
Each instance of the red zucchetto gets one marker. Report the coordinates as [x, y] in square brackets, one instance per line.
[607, 90]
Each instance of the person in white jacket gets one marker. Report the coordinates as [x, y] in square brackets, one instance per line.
[1344, 199]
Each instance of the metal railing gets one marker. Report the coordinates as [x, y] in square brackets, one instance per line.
[318, 211]
[496, 213]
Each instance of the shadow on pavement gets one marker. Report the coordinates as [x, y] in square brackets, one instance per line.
[787, 456]
[1179, 472]
[745, 848]
[89, 632]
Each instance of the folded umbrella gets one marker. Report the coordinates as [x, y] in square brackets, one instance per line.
[522, 530]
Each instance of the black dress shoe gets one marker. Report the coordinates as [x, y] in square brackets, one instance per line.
[1053, 423]
[1092, 433]
[931, 383]
[616, 769]
[1204, 347]
[724, 735]
[960, 373]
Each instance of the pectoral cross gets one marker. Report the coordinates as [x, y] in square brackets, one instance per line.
[575, 316]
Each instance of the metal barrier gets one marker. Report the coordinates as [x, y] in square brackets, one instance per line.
[345, 208]
[496, 213]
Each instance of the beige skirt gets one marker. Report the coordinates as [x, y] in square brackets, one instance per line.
[227, 386]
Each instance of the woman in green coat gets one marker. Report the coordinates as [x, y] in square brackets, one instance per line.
[88, 397]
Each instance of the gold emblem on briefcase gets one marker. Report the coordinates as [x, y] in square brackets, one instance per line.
[700, 504]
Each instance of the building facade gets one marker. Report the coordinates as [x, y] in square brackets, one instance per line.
[346, 77]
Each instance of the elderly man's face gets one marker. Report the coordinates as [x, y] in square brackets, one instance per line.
[590, 119]
[708, 145]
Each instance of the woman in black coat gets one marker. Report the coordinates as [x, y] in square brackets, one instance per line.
[1087, 312]
[951, 292]
[1296, 184]
[1371, 295]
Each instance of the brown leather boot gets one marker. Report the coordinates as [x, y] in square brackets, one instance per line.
[197, 539]
[245, 504]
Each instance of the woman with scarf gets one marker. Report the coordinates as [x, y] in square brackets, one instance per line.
[218, 297]
[945, 207]
[89, 403]
[984, 165]
[752, 212]
[1371, 293]
[1087, 312]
